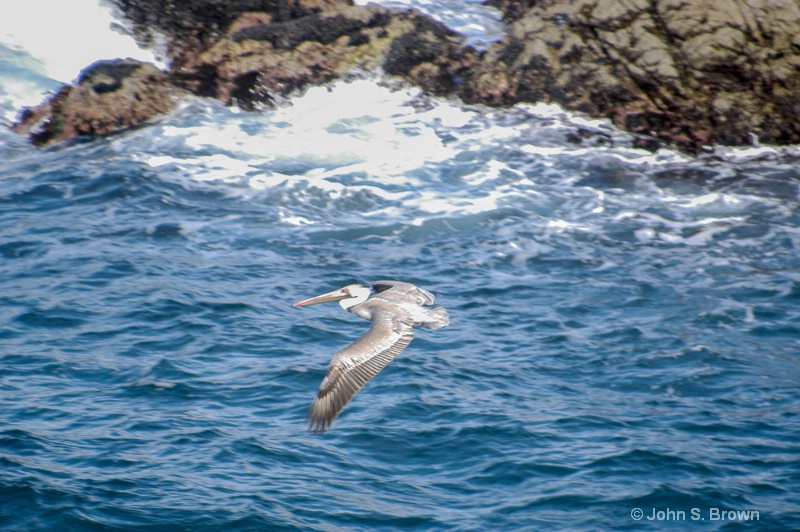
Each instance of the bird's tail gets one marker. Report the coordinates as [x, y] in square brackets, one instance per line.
[437, 318]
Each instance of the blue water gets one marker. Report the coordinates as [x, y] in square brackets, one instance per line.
[625, 326]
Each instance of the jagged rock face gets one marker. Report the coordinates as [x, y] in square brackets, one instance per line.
[182, 29]
[109, 96]
[690, 72]
[256, 59]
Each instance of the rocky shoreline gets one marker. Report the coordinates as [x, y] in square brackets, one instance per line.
[689, 74]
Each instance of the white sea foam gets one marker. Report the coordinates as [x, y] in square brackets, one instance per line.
[359, 132]
[420, 158]
[44, 43]
[481, 24]
[64, 36]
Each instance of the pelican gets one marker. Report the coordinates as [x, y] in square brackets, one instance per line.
[395, 310]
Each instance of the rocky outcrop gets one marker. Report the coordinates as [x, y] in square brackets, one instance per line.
[689, 72]
[228, 51]
[182, 29]
[252, 63]
[109, 96]
[686, 73]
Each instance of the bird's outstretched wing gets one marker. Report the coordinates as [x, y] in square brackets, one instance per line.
[415, 293]
[352, 367]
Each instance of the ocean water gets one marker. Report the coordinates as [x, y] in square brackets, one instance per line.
[623, 353]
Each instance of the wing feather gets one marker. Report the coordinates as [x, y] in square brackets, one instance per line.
[355, 365]
[418, 295]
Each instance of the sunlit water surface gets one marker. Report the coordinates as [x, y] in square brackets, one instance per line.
[624, 325]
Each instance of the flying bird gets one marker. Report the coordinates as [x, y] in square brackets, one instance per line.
[395, 310]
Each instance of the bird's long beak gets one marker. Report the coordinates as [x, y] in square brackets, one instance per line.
[336, 295]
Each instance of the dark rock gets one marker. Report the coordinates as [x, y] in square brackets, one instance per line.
[288, 35]
[408, 51]
[109, 96]
[358, 38]
[247, 92]
[187, 28]
[279, 57]
[690, 72]
[117, 71]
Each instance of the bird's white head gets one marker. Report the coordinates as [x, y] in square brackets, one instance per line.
[349, 296]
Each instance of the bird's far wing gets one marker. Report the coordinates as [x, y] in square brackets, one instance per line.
[419, 296]
[353, 366]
